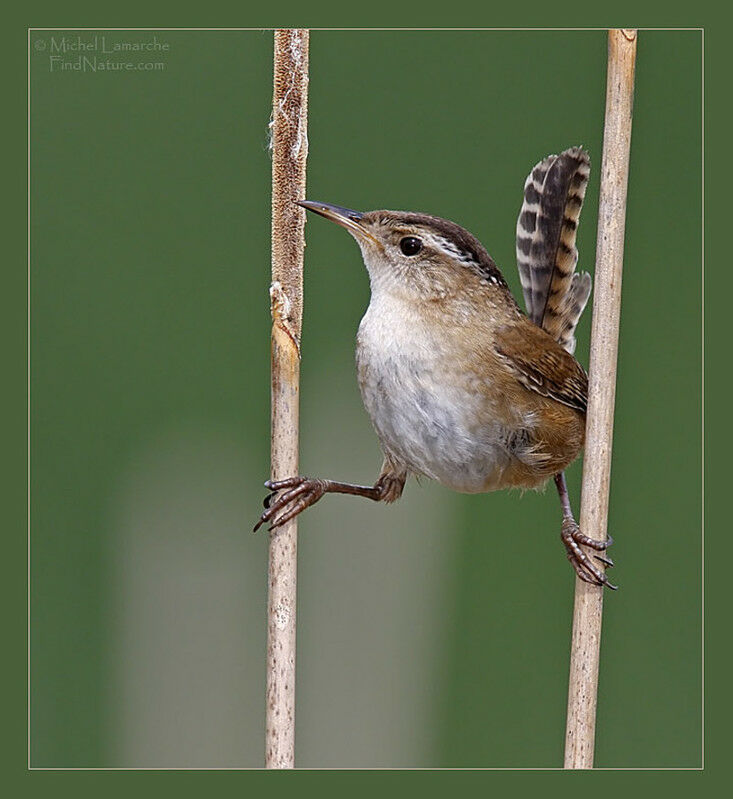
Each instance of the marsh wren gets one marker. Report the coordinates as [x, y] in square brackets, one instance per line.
[460, 384]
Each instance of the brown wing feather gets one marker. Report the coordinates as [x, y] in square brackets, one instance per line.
[540, 364]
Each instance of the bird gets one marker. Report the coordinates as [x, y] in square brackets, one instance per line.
[461, 385]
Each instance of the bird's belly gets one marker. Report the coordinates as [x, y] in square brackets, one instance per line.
[430, 419]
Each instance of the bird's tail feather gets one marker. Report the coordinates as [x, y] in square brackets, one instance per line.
[554, 294]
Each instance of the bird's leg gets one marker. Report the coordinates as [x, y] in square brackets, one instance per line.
[572, 538]
[302, 492]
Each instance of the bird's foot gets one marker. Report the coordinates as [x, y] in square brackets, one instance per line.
[582, 563]
[299, 493]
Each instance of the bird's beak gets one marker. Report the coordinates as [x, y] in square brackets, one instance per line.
[351, 220]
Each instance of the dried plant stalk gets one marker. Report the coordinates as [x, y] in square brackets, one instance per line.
[289, 152]
[588, 610]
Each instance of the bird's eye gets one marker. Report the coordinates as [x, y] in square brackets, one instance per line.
[410, 245]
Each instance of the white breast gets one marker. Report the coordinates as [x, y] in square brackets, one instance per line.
[422, 407]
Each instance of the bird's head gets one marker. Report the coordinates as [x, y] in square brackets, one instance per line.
[417, 255]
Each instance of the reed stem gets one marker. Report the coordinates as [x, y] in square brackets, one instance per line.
[588, 610]
[289, 153]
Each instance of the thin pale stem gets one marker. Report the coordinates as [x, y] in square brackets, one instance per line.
[289, 151]
[588, 610]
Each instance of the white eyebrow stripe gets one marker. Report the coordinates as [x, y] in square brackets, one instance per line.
[462, 256]
[449, 248]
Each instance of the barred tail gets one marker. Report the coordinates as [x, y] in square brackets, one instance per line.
[546, 253]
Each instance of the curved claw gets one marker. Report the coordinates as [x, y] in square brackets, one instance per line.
[301, 491]
[586, 570]
[593, 543]
[591, 574]
[585, 576]
[288, 482]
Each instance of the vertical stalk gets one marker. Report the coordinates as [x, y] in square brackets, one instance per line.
[289, 152]
[588, 610]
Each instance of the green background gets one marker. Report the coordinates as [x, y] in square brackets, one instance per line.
[432, 633]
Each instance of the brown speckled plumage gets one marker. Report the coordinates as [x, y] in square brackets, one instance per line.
[461, 386]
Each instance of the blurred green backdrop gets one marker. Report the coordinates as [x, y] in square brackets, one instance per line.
[431, 633]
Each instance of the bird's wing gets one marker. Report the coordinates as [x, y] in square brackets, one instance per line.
[546, 253]
[540, 364]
